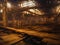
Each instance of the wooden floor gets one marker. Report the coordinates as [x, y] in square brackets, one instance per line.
[9, 36]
